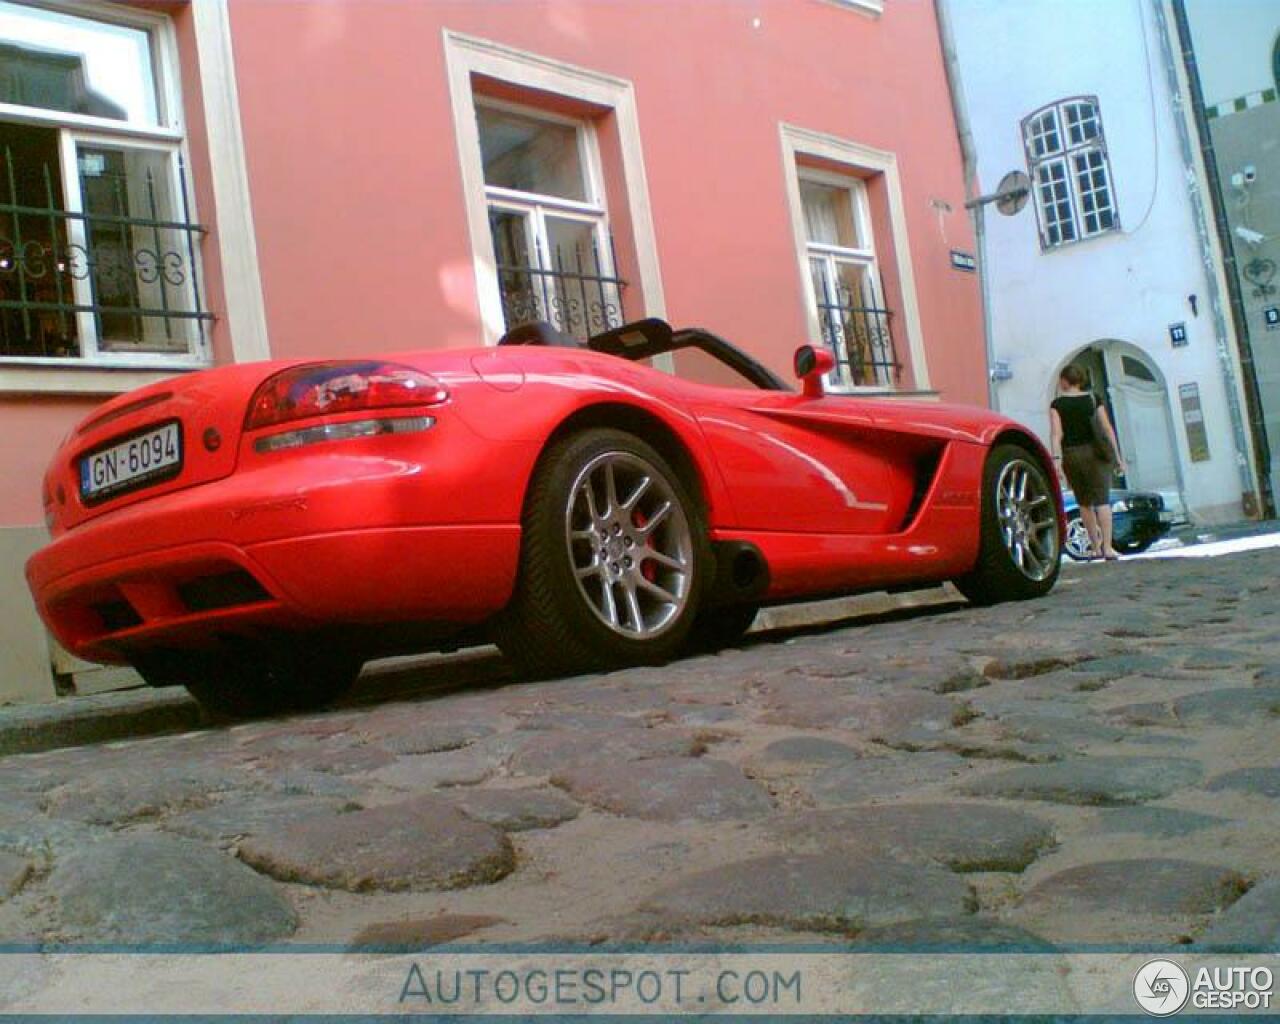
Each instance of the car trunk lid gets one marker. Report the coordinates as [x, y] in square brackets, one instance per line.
[175, 434]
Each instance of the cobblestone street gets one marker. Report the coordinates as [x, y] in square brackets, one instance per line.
[1096, 767]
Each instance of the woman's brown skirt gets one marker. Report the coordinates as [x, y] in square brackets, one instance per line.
[1088, 475]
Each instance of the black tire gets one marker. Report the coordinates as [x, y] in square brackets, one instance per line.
[550, 626]
[997, 576]
[1073, 548]
[255, 680]
[714, 629]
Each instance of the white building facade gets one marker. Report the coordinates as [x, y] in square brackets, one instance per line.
[1110, 264]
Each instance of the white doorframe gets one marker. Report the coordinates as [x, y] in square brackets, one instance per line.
[1110, 351]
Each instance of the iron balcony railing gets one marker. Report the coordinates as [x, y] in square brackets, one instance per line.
[136, 276]
[574, 291]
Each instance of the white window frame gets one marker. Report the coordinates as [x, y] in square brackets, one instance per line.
[801, 143]
[1062, 160]
[466, 56]
[833, 256]
[74, 129]
[537, 206]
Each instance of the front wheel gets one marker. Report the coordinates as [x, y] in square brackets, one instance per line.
[1018, 551]
[612, 562]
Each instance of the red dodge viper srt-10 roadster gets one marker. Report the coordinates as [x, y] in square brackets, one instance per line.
[256, 532]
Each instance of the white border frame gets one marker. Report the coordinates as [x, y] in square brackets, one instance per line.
[538, 206]
[466, 56]
[24, 373]
[863, 255]
[244, 311]
[800, 142]
[165, 72]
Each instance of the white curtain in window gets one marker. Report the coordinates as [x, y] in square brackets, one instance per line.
[821, 215]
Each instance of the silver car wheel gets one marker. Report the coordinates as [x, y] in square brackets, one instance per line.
[1078, 544]
[630, 546]
[1028, 519]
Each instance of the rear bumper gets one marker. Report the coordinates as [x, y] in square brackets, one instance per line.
[196, 592]
[362, 538]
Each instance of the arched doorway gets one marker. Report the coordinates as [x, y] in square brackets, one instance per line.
[1129, 383]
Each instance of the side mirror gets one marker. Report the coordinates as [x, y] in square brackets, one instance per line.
[811, 364]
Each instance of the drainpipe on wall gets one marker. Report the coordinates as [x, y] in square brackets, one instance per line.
[1255, 473]
[955, 86]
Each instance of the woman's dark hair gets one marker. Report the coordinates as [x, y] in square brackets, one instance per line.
[1074, 375]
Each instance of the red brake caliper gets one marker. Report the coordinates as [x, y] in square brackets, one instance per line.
[647, 569]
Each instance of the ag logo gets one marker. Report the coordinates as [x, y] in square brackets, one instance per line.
[1161, 987]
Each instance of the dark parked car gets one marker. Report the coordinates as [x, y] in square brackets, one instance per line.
[1140, 520]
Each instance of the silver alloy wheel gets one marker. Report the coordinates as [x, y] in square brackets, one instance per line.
[630, 546]
[1078, 544]
[1028, 519]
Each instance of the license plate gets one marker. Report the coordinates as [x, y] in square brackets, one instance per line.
[137, 461]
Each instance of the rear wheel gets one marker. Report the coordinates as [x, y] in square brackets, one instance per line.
[612, 561]
[1018, 553]
[253, 680]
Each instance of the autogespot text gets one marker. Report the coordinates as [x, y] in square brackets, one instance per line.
[425, 986]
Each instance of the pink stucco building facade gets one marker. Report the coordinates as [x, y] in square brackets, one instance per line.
[315, 178]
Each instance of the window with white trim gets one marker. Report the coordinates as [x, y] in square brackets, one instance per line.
[99, 257]
[845, 279]
[551, 242]
[1070, 172]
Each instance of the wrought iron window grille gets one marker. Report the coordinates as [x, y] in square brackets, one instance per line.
[860, 336]
[572, 290]
[40, 276]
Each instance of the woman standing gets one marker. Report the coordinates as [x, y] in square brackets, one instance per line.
[1077, 421]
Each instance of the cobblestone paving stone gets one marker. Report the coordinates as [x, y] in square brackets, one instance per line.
[153, 889]
[982, 838]
[423, 843]
[1252, 922]
[1098, 766]
[839, 890]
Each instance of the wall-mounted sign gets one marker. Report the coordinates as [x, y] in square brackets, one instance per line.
[1271, 317]
[1178, 335]
[963, 261]
[1193, 420]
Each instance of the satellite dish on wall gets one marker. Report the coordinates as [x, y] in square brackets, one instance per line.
[1012, 193]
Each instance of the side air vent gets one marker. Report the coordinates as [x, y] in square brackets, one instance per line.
[925, 472]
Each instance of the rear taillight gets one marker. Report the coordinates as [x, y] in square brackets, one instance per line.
[330, 389]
